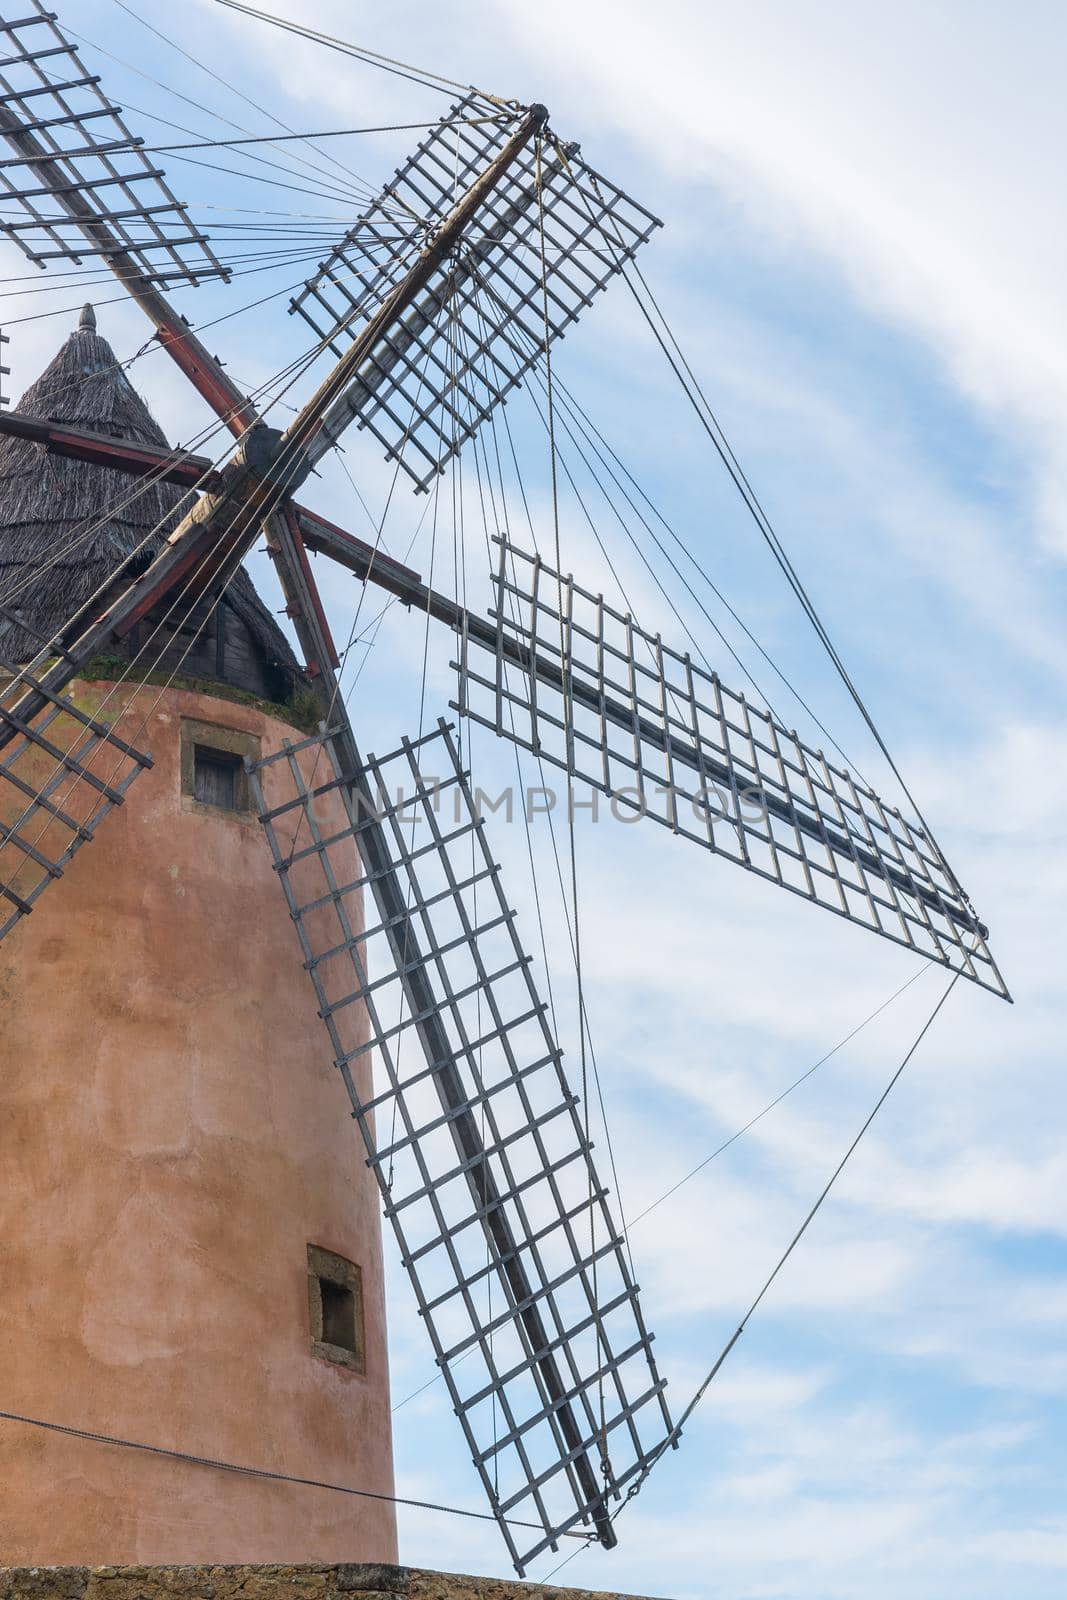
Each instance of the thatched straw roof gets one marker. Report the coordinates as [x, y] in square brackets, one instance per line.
[48, 503]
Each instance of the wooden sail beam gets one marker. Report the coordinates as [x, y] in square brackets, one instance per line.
[323, 537]
[189, 471]
[106, 450]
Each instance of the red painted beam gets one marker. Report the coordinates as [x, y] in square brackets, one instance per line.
[292, 519]
[204, 373]
[310, 530]
[104, 450]
[326, 538]
[200, 560]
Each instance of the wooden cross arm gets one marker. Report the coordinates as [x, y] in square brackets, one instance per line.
[106, 450]
[190, 471]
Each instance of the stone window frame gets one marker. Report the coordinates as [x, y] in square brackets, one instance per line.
[228, 741]
[326, 1264]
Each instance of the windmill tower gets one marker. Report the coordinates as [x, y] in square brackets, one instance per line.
[185, 1235]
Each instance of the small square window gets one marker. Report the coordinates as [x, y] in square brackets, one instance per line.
[212, 766]
[216, 776]
[338, 1315]
[335, 1309]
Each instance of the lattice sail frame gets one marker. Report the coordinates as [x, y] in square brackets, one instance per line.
[536, 1153]
[682, 748]
[59, 777]
[479, 326]
[83, 134]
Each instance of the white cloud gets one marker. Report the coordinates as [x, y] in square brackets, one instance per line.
[899, 147]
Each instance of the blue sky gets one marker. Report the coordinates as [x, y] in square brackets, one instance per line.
[864, 258]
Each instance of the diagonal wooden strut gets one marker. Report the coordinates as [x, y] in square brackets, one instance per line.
[199, 366]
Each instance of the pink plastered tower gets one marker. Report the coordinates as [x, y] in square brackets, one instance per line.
[190, 1243]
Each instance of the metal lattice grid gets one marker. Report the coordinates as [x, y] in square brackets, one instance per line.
[472, 1132]
[666, 739]
[60, 774]
[479, 325]
[5, 371]
[52, 112]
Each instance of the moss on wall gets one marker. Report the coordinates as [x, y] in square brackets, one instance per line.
[300, 711]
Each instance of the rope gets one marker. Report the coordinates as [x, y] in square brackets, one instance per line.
[479, 440]
[676, 1431]
[568, 716]
[718, 1151]
[570, 409]
[292, 259]
[324, 133]
[713, 429]
[379, 528]
[804, 1076]
[672, 1438]
[591, 432]
[340, 193]
[403, 69]
[288, 157]
[93, 1437]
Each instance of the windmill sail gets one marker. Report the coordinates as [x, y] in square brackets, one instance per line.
[484, 1165]
[480, 323]
[59, 776]
[667, 739]
[77, 168]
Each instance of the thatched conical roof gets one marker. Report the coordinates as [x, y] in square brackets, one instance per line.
[50, 561]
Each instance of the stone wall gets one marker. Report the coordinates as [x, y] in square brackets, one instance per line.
[349, 1582]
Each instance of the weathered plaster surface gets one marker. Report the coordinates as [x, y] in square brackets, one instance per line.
[270, 1583]
[173, 1136]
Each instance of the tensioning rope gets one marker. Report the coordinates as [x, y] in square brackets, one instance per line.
[94, 1437]
[566, 669]
[402, 69]
[740, 1132]
[674, 1435]
[513, 603]
[239, 94]
[288, 158]
[322, 133]
[693, 392]
[713, 428]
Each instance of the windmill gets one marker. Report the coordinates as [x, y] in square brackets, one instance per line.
[450, 289]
